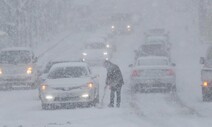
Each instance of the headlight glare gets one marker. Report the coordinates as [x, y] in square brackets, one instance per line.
[90, 85]
[105, 53]
[29, 70]
[205, 84]
[43, 87]
[85, 95]
[84, 54]
[1, 72]
[49, 97]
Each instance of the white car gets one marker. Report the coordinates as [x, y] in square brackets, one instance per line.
[69, 83]
[153, 73]
[96, 52]
[18, 68]
[121, 23]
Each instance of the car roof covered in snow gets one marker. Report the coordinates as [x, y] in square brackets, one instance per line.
[17, 48]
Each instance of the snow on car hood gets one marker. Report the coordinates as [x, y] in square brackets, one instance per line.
[68, 82]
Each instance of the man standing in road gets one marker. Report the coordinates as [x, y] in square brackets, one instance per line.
[115, 81]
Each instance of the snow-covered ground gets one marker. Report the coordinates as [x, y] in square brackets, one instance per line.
[22, 108]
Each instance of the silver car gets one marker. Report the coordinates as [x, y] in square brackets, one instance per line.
[18, 68]
[153, 73]
[96, 52]
[71, 84]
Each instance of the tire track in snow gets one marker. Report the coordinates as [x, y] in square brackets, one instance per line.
[176, 99]
[172, 100]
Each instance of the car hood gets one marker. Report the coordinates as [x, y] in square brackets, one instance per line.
[68, 82]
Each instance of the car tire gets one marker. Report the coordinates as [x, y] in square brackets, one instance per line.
[44, 106]
[96, 100]
[205, 96]
[48, 106]
[33, 85]
[172, 88]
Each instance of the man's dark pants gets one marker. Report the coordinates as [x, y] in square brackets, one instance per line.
[117, 90]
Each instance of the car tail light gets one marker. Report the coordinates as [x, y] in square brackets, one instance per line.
[170, 72]
[135, 73]
[205, 84]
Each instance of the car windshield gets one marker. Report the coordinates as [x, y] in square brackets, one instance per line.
[151, 62]
[121, 18]
[95, 46]
[68, 72]
[15, 57]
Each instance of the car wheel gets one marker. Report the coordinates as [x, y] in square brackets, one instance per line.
[33, 85]
[205, 96]
[96, 100]
[44, 106]
[172, 88]
[48, 106]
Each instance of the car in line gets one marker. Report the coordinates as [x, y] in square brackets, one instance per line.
[206, 75]
[18, 68]
[121, 23]
[96, 52]
[153, 73]
[69, 84]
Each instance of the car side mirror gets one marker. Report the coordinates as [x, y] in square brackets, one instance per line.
[131, 65]
[202, 60]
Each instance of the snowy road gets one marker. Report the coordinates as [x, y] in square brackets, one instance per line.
[22, 108]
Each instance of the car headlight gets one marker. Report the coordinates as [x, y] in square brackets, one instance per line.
[49, 97]
[90, 85]
[128, 26]
[84, 54]
[1, 72]
[205, 84]
[108, 46]
[85, 95]
[43, 87]
[113, 27]
[105, 53]
[29, 70]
